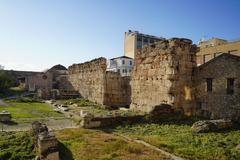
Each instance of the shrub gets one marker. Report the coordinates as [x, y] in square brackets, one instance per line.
[6, 80]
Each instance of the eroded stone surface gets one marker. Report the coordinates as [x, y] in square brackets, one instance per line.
[93, 82]
[163, 75]
[211, 125]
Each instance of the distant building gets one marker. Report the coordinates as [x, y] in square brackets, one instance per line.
[214, 47]
[134, 40]
[122, 65]
[52, 83]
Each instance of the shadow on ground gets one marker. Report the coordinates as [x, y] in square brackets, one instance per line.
[64, 152]
[10, 123]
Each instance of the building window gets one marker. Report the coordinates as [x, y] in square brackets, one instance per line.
[123, 61]
[151, 41]
[206, 58]
[139, 39]
[145, 40]
[118, 70]
[209, 84]
[130, 70]
[130, 63]
[230, 85]
[123, 71]
[44, 77]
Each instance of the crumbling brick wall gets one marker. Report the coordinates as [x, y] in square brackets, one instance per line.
[163, 74]
[93, 82]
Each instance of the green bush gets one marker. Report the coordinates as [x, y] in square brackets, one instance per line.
[6, 80]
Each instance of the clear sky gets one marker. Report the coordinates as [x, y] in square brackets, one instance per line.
[37, 34]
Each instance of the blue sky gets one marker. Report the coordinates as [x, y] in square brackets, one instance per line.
[37, 34]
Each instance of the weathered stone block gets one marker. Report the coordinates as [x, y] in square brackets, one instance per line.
[211, 125]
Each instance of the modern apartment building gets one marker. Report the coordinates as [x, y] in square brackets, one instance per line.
[214, 47]
[122, 65]
[134, 40]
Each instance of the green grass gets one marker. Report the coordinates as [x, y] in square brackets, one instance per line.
[16, 146]
[94, 108]
[179, 139]
[79, 101]
[29, 110]
[83, 144]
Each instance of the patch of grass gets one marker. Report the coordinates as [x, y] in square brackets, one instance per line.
[25, 99]
[83, 144]
[81, 102]
[16, 146]
[179, 139]
[29, 110]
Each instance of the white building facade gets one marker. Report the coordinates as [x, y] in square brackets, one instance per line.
[122, 65]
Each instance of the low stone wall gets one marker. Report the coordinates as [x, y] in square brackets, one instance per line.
[89, 121]
[93, 82]
[45, 141]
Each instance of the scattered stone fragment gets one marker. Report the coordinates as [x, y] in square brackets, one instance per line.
[5, 116]
[211, 125]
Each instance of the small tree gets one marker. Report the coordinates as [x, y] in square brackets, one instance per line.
[6, 80]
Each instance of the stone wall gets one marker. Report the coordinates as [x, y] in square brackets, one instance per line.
[118, 90]
[217, 103]
[89, 79]
[163, 75]
[93, 82]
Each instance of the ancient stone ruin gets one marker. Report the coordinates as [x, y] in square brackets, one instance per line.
[93, 82]
[163, 75]
[5, 116]
[45, 141]
[88, 120]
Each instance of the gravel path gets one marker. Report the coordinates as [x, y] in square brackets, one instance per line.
[53, 124]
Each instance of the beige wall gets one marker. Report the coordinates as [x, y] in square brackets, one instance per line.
[207, 53]
[130, 45]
